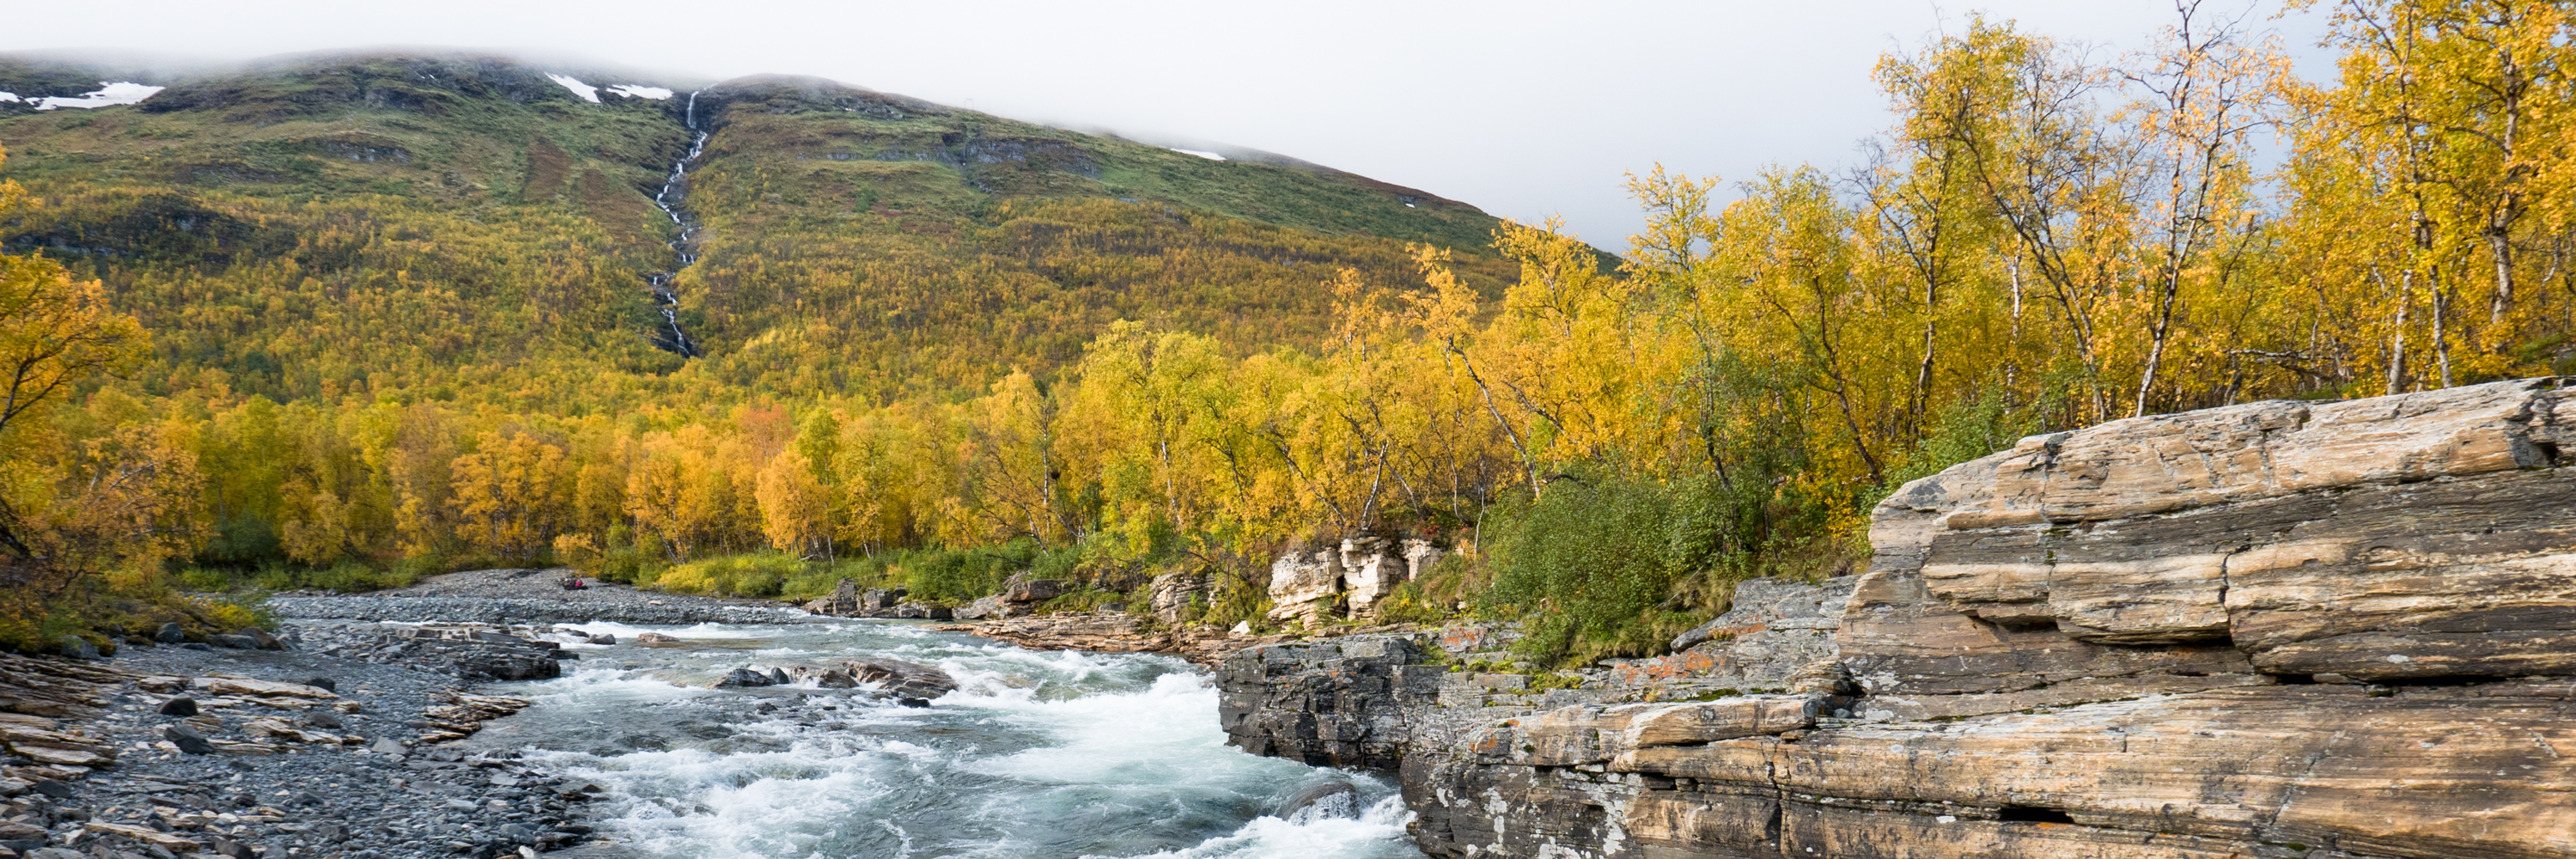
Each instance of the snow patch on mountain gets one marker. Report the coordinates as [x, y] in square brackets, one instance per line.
[1199, 152]
[587, 92]
[9, 98]
[108, 94]
[638, 91]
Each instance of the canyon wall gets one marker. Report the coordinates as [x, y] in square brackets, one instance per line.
[2280, 629]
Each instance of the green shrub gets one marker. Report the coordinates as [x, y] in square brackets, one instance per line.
[1603, 566]
[763, 574]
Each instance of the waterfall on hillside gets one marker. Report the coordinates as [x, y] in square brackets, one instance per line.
[674, 191]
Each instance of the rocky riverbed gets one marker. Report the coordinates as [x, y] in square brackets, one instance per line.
[312, 749]
[612, 738]
[528, 596]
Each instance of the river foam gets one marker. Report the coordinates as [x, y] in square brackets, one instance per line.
[1055, 754]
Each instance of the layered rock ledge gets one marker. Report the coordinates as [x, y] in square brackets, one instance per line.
[2280, 629]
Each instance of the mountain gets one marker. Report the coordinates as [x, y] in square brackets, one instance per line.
[485, 229]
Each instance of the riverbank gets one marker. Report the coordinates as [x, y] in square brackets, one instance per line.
[2292, 630]
[527, 596]
[309, 750]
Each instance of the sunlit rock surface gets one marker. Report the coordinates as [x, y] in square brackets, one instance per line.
[2278, 629]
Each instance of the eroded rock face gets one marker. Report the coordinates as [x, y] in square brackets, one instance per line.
[2327, 631]
[1348, 579]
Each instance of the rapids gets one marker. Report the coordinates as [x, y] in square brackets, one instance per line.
[1036, 754]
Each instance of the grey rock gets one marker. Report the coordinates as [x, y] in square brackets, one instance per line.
[323, 683]
[260, 638]
[387, 746]
[78, 648]
[906, 679]
[742, 677]
[182, 706]
[188, 740]
[321, 718]
[52, 788]
[170, 634]
[236, 642]
[1327, 800]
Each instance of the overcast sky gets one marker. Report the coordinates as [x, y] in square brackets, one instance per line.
[1523, 109]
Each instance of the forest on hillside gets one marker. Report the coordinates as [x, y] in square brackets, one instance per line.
[2044, 238]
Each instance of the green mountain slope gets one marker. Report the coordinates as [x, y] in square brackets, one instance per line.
[454, 227]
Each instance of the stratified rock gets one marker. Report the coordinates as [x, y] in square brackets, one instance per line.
[2099, 643]
[1173, 596]
[1306, 587]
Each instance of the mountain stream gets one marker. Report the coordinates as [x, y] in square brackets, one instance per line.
[1059, 754]
[675, 190]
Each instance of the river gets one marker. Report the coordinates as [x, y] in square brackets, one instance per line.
[1055, 754]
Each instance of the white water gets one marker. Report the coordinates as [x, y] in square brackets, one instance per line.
[674, 190]
[1035, 755]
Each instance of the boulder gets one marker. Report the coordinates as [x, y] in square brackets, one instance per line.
[1322, 801]
[77, 647]
[170, 634]
[181, 706]
[745, 677]
[259, 638]
[188, 740]
[906, 679]
[654, 638]
[990, 607]
[1034, 591]
[843, 602]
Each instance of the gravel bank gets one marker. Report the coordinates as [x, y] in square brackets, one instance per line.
[285, 766]
[529, 596]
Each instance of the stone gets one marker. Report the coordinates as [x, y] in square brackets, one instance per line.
[1174, 597]
[235, 642]
[261, 688]
[744, 677]
[181, 706]
[843, 602]
[188, 740]
[260, 638]
[52, 788]
[230, 849]
[654, 638]
[906, 679]
[2295, 629]
[1033, 591]
[325, 684]
[321, 718]
[387, 746]
[1306, 587]
[984, 607]
[77, 647]
[1323, 801]
[170, 633]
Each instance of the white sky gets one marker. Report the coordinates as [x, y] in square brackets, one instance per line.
[1524, 109]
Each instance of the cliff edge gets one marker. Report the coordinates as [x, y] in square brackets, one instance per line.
[2281, 629]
